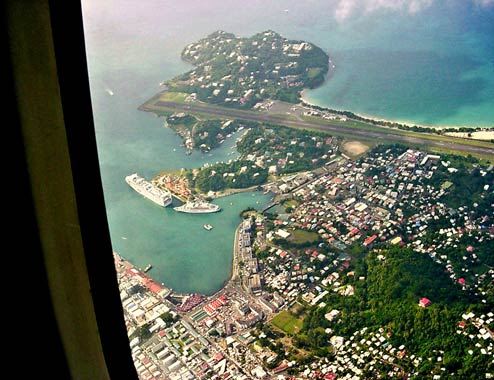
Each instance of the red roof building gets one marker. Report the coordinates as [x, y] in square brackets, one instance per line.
[282, 367]
[370, 240]
[330, 376]
[218, 356]
[425, 302]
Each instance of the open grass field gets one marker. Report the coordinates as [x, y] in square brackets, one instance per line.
[354, 148]
[313, 72]
[169, 96]
[301, 237]
[287, 322]
[480, 135]
[485, 159]
[291, 203]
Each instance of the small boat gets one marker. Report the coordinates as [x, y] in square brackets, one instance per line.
[208, 227]
[110, 92]
[147, 268]
[124, 238]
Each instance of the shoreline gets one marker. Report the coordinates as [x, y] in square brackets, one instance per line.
[232, 276]
[304, 99]
[232, 191]
[149, 280]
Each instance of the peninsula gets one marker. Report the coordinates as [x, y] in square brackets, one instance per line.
[261, 79]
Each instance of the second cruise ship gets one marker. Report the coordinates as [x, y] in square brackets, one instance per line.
[148, 190]
[198, 207]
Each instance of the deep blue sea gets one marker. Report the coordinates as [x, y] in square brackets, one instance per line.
[422, 61]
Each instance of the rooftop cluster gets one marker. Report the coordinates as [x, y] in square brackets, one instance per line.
[240, 72]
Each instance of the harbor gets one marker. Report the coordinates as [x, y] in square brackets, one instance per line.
[160, 192]
[140, 275]
[181, 298]
[197, 261]
[131, 140]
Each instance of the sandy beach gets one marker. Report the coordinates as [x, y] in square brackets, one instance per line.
[480, 135]
[303, 97]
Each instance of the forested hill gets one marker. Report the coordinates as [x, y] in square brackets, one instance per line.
[240, 72]
[386, 299]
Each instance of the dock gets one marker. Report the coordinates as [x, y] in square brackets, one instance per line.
[176, 196]
[270, 205]
[172, 179]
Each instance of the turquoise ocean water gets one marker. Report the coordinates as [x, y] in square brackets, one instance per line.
[432, 66]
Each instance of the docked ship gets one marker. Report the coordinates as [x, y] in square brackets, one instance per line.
[147, 268]
[198, 207]
[148, 190]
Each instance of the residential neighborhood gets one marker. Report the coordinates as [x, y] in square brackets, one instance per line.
[303, 254]
[291, 190]
[240, 72]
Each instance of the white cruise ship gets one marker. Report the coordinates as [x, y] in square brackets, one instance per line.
[147, 189]
[198, 208]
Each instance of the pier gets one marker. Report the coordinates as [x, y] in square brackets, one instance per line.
[270, 205]
[172, 183]
[179, 197]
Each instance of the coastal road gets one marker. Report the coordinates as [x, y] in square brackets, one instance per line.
[386, 134]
